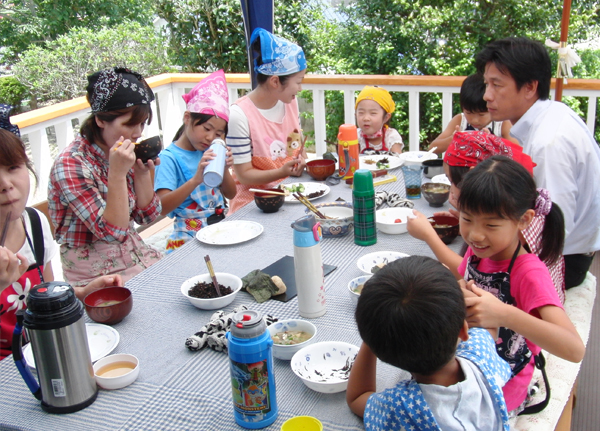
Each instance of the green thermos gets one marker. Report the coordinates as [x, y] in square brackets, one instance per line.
[363, 201]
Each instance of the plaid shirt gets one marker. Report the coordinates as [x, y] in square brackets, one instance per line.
[77, 195]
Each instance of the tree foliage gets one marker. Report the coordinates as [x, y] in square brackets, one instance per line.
[59, 71]
[27, 22]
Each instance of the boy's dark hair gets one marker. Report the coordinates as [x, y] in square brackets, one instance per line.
[503, 187]
[261, 78]
[471, 94]
[410, 314]
[457, 174]
[524, 59]
[93, 133]
[197, 119]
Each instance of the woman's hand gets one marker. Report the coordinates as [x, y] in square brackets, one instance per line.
[141, 168]
[97, 284]
[121, 157]
[12, 267]
[420, 227]
[484, 310]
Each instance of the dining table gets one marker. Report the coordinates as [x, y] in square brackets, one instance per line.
[180, 389]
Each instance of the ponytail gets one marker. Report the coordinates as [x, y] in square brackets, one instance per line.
[553, 236]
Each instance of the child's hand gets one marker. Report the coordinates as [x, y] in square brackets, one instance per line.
[419, 227]
[229, 158]
[450, 213]
[121, 157]
[204, 161]
[293, 167]
[99, 283]
[12, 267]
[484, 310]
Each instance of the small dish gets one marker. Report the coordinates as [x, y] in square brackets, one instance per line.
[370, 162]
[417, 157]
[378, 258]
[354, 284]
[286, 352]
[325, 367]
[309, 188]
[226, 279]
[320, 169]
[269, 203]
[441, 179]
[393, 220]
[116, 371]
[446, 227]
[229, 232]
[302, 423]
[435, 193]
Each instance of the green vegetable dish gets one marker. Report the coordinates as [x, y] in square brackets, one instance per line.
[296, 188]
[288, 338]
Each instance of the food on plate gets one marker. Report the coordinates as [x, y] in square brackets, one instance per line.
[315, 194]
[289, 338]
[437, 189]
[107, 303]
[205, 290]
[398, 220]
[358, 289]
[295, 188]
[383, 163]
[370, 161]
[281, 287]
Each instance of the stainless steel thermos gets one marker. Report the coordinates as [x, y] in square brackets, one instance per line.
[54, 322]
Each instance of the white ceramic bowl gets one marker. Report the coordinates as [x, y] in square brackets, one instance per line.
[342, 222]
[119, 381]
[368, 261]
[385, 219]
[354, 283]
[223, 278]
[286, 352]
[417, 157]
[325, 367]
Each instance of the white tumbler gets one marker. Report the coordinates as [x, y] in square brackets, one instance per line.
[308, 267]
[213, 173]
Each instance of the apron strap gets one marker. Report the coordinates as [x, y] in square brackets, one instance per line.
[515, 254]
[540, 363]
[38, 236]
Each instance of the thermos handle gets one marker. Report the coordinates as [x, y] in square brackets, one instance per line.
[32, 384]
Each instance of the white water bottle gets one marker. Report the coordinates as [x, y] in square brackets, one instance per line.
[308, 267]
[213, 173]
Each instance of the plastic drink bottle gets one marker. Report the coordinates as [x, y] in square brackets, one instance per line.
[308, 267]
[363, 201]
[348, 150]
[213, 172]
[251, 364]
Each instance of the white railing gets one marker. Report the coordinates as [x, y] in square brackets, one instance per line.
[169, 107]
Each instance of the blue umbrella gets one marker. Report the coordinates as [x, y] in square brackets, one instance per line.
[257, 13]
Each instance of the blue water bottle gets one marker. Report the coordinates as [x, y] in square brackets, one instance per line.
[251, 363]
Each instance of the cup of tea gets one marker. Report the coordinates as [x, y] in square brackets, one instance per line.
[412, 180]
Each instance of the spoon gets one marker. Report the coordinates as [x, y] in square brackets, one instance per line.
[432, 150]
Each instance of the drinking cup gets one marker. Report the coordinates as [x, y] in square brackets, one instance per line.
[412, 180]
[213, 173]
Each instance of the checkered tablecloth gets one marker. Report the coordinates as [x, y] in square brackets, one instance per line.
[178, 389]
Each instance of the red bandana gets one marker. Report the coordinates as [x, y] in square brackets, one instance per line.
[470, 148]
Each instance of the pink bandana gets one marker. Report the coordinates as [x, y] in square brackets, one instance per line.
[209, 96]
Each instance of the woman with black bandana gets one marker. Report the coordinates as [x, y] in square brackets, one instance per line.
[97, 187]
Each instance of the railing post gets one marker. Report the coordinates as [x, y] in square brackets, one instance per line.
[42, 161]
[320, 119]
[170, 113]
[446, 109]
[413, 120]
[349, 117]
[64, 133]
[591, 113]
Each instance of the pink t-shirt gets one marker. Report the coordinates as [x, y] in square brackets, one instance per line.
[531, 287]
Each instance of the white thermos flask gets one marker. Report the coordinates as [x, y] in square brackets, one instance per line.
[213, 173]
[308, 267]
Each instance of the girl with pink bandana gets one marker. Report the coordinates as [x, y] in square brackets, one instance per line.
[179, 180]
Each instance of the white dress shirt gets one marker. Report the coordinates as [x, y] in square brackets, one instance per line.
[568, 165]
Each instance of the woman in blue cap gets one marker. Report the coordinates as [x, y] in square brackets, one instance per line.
[264, 126]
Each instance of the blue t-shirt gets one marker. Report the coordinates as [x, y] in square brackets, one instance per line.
[403, 407]
[169, 174]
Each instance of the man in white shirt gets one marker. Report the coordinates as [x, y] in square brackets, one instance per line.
[517, 73]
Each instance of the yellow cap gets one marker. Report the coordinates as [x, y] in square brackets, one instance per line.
[379, 95]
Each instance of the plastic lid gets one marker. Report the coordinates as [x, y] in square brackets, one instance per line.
[348, 133]
[363, 181]
[52, 305]
[247, 324]
[218, 141]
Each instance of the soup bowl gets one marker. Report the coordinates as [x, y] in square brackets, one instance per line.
[109, 305]
[286, 351]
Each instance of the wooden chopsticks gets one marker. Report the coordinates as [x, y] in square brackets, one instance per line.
[309, 205]
[211, 271]
[5, 229]
[268, 192]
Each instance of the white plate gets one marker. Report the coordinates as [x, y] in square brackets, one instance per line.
[441, 179]
[102, 339]
[394, 162]
[308, 188]
[368, 261]
[417, 156]
[229, 232]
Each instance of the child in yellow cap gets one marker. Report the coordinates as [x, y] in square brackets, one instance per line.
[374, 107]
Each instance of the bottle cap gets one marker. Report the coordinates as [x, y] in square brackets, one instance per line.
[348, 133]
[363, 182]
[247, 324]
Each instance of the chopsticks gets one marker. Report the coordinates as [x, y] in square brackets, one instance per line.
[5, 229]
[309, 205]
[211, 271]
[269, 192]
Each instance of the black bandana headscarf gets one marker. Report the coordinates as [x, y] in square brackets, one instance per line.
[117, 88]
[5, 119]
